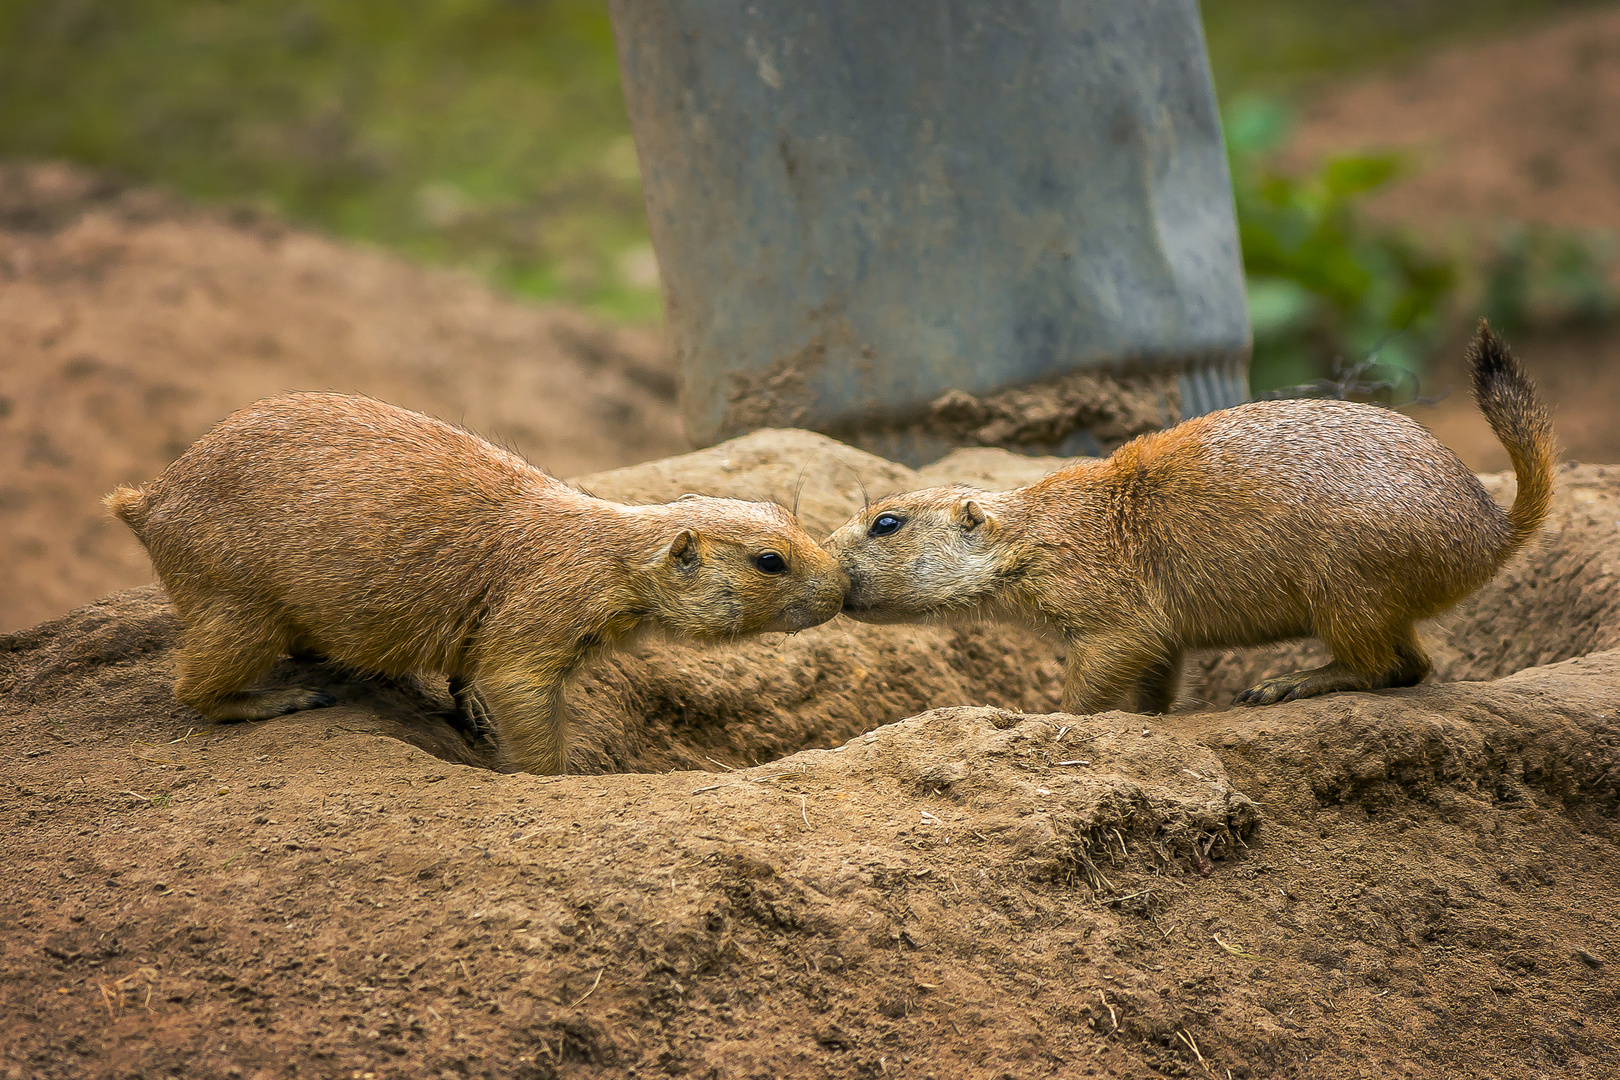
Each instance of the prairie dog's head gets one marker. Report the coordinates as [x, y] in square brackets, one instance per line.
[732, 567]
[924, 554]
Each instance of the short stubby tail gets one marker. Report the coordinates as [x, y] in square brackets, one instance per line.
[128, 505]
[1508, 399]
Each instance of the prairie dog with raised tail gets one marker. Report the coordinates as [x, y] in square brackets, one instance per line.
[1260, 523]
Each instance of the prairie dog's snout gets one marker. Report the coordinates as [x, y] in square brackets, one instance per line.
[745, 568]
[921, 554]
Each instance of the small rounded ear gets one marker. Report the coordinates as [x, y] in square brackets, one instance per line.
[689, 496]
[972, 515]
[684, 546]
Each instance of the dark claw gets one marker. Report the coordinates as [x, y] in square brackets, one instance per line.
[1265, 694]
[469, 717]
[471, 725]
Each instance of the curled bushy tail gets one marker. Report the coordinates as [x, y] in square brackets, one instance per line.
[1508, 399]
[128, 505]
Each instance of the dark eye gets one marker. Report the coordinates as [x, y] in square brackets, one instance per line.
[770, 563]
[885, 524]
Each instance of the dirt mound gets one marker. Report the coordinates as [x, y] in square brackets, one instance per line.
[1419, 882]
[133, 324]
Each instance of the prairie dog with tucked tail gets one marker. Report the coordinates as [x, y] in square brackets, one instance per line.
[1260, 523]
[394, 543]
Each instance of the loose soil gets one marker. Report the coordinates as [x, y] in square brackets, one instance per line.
[856, 851]
[1420, 882]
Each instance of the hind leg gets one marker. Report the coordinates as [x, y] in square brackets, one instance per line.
[223, 652]
[1157, 687]
[1411, 662]
[1363, 659]
[1313, 682]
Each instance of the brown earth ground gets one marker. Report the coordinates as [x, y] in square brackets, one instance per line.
[1517, 130]
[1412, 883]
[931, 874]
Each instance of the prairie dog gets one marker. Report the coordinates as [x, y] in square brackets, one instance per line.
[1268, 521]
[394, 543]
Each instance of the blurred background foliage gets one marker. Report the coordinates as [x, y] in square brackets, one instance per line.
[1324, 285]
[492, 134]
[487, 133]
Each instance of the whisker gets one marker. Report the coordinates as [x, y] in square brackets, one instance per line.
[798, 486]
[860, 482]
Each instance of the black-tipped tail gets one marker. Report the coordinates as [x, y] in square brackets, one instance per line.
[1507, 398]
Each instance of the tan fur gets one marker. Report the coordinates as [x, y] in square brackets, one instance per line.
[393, 543]
[1272, 520]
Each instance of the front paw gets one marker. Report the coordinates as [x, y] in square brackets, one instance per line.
[1282, 688]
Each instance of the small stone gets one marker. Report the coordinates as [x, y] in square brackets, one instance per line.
[1591, 960]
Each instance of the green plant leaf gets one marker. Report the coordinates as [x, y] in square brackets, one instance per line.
[1346, 176]
[1326, 284]
[1256, 125]
[1279, 306]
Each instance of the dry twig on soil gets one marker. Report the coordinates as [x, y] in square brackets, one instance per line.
[1193, 1046]
[589, 992]
[1112, 1015]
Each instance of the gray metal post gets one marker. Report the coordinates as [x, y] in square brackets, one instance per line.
[858, 205]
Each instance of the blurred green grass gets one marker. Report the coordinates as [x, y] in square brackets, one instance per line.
[484, 133]
[1278, 46]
